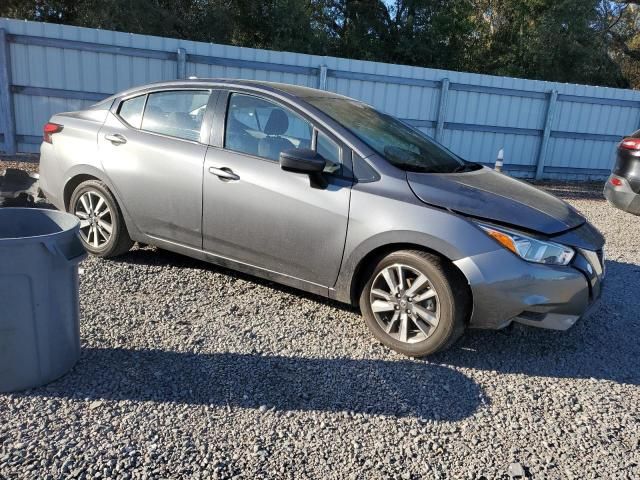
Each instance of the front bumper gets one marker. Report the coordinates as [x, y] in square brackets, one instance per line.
[622, 196]
[506, 288]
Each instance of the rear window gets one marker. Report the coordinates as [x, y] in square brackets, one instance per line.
[104, 104]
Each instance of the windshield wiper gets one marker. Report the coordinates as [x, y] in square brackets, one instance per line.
[466, 167]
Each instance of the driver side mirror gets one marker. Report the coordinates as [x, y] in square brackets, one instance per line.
[304, 160]
[301, 160]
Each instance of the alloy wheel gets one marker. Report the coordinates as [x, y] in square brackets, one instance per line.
[96, 222]
[404, 303]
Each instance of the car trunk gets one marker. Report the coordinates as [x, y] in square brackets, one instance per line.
[628, 165]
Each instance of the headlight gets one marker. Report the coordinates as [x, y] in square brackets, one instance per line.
[530, 249]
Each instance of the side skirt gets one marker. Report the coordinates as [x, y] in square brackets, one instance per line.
[239, 266]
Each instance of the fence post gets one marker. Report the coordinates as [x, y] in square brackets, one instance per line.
[7, 117]
[322, 81]
[181, 64]
[442, 109]
[546, 133]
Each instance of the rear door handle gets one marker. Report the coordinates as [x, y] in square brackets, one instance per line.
[115, 138]
[224, 173]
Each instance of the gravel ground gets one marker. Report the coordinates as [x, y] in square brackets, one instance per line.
[193, 371]
[27, 162]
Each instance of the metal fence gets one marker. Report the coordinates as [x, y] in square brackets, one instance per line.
[547, 130]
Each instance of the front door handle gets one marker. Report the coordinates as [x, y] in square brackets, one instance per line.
[115, 138]
[224, 173]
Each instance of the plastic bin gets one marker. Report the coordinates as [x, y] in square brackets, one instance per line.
[39, 311]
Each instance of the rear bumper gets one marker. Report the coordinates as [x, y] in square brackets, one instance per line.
[506, 289]
[622, 196]
[51, 197]
[50, 176]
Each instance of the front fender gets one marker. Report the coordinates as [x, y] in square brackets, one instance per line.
[398, 238]
[389, 215]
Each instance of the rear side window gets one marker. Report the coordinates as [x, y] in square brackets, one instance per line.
[176, 113]
[131, 110]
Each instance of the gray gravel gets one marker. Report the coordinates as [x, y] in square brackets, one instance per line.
[192, 371]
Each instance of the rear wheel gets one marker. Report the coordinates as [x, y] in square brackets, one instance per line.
[415, 303]
[102, 228]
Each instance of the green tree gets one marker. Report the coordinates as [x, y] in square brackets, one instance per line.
[438, 33]
[583, 41]
[353, 28]
[275, 24]
[55, 11]
[620, 24]
[555, 40]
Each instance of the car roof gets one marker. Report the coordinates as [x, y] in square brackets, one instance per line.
[291, 92]
[274, 87]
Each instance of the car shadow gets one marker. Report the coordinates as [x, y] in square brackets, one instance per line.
[403, 388]
[154, 256]
[603, 345]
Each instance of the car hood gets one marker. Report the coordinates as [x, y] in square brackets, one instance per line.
[492, 196]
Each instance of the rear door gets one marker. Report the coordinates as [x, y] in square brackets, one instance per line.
[152, 146]
[256, 213]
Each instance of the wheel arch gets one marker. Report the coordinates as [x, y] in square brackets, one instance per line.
[78, 175]
[71, 186]
[364, 258]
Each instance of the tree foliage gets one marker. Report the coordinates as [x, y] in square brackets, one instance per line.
[583, 41]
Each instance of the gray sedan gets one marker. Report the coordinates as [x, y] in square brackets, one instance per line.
[326, 194]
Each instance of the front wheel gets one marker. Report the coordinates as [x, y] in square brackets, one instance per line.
[415, 303]
[102, 228]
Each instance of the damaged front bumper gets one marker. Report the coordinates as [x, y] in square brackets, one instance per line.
[507, 289]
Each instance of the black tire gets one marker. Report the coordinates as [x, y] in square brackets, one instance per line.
[452, 296]
[119, 241]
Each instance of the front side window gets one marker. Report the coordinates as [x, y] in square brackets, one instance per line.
[176, 113]
[131, 110]
[405, 147]
[262, 128]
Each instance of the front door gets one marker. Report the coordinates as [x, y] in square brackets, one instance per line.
[151, 149]
[257, 213]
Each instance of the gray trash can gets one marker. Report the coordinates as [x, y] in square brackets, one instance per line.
[39, 312]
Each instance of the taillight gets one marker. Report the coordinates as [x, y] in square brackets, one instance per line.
[630, 144]
[616, 182]
[49, 130]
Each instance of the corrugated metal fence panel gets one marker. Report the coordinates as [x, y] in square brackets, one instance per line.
[478, 114]
[613, 121]
[76, 70]
[266, 57]
[405, 101]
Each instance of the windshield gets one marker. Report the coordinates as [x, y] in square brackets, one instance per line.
[405, 147]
